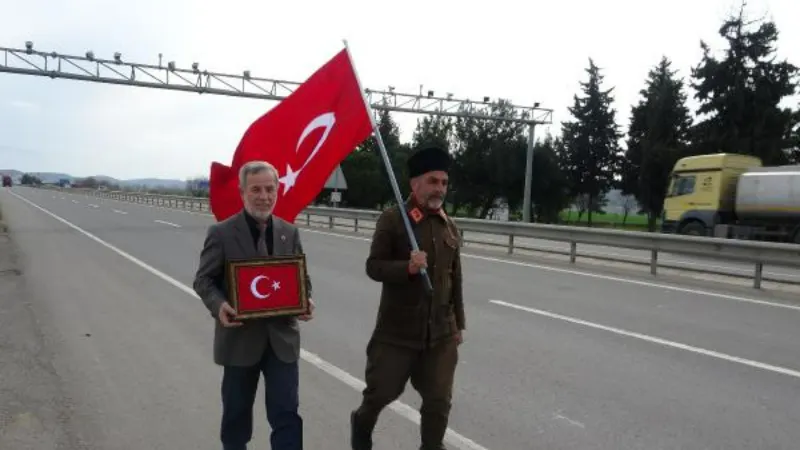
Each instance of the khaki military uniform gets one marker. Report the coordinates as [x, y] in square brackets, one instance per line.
[414, 335]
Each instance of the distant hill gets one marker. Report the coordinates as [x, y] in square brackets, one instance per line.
[54, 177]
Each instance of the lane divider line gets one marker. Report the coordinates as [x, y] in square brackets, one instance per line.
[167, 223]
[452, 437]
[598, 276]
[700, 292]
[653, 339]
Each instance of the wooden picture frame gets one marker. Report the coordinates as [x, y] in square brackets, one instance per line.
[249, 298]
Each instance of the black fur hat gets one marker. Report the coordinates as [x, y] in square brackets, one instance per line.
[428, 159]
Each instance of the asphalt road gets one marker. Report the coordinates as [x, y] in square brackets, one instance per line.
[554, 357]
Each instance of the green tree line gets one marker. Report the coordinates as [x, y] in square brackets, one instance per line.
[741, 92]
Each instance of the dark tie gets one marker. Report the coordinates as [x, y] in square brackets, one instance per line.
[262, 241]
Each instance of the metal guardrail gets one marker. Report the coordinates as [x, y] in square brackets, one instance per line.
[758, 254]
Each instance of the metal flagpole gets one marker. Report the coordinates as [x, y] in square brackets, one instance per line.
[401, 204]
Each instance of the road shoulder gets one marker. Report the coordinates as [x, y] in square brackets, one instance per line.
[135, 353]
[33, 409]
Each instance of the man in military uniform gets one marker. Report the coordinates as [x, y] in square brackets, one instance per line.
[417, 334]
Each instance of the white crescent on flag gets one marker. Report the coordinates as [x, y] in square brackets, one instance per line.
[326, 120]
[254, 287]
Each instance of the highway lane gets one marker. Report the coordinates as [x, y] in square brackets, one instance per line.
[676, 314]
[132, 354]
[595, 251]
[560, 384]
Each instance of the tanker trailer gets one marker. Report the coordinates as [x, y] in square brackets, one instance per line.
[767, 205]
[733, 196]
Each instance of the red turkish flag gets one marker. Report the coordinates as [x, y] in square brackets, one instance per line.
[305, 137]
[271, 287]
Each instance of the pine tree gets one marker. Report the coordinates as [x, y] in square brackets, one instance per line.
[657, 138]
[794, 139]
[549, 187]
[591, 148]
[741, 94]
[489, 161]
[433, 130]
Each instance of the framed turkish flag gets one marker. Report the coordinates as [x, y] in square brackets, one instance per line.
[268, 287]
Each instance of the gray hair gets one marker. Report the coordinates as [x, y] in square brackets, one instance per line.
[254, 167]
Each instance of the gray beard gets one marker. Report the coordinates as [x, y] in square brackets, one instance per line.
[258, 215]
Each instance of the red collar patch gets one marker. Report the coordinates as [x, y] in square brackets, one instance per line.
[416, 215]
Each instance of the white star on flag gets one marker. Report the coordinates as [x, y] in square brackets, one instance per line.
[289, 179]
[276, 285]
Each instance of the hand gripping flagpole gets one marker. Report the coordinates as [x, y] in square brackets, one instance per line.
[401, 204]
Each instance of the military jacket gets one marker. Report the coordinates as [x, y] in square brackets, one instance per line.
[407, 315]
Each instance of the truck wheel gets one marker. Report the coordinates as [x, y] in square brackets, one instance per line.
[693, 228]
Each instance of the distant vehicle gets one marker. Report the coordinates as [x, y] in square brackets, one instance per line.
[7, 181]
[733, 196]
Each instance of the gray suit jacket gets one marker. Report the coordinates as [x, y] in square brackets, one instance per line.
[244, 345]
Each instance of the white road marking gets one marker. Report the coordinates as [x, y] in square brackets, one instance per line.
[119, 212]
[642, 283]
[165, 208]
[75, 201]
[168, 223]
[453, 437]
[598, 276]
[653, 339]
[400, 408]
[94, 206]
[570, 421]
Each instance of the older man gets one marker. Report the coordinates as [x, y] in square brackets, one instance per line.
[417, 335]
[245, 349]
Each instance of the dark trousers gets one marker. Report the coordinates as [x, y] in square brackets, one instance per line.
[431, 372]
[239, 385]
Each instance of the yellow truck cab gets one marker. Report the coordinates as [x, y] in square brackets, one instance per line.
[702, 192]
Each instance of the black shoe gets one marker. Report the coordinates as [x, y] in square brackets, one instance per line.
[359, 439]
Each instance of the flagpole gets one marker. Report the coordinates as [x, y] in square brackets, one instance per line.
[400, 203]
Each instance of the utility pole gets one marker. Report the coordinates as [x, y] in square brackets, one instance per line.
[526, 206]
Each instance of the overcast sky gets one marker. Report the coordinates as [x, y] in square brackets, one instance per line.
[528, 51]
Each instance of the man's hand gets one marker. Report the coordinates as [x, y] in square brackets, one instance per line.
[459, 337]
[419, 260]
[226, 316]
[310, 315]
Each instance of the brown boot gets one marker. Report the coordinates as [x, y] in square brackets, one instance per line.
[360, 438]
[432, 429]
